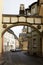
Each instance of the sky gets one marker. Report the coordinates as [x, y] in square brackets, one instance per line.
[17, 30]
[12, 7]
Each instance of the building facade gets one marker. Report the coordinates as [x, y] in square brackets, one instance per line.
[10, 42]
[23, 39]
[36, 9]
[30, 40]
[35, 43]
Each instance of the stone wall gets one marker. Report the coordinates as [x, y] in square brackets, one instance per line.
[1, 3]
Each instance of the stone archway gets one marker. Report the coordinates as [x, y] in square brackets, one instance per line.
[18, 24]
[9, 21]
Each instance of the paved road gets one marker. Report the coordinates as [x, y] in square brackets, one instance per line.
[19, 58]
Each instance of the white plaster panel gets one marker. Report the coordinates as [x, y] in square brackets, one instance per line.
[30, 20]
[22, 19]
[6, 19]
[38, 20]
[14, 19]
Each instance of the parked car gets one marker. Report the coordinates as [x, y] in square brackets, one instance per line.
[12, 50]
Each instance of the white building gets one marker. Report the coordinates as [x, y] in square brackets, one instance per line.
[9, 41]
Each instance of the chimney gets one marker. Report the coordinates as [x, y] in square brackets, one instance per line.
[22, 9]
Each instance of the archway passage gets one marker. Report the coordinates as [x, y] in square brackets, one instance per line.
[28, 39]
[34, 22]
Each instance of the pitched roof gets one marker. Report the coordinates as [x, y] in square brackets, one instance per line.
[11, 32]
[33, 4]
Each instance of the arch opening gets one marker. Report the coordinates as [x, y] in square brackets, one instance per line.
[29, 35]
[20, 24]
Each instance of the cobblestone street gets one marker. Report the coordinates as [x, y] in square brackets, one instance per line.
[20, 58]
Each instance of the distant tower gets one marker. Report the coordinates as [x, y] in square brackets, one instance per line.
[22, 9]
[24, 30]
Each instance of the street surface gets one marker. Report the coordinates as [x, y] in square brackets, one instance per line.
[21, 58]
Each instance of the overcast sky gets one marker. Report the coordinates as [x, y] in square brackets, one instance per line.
[17, 30]
[12, 6]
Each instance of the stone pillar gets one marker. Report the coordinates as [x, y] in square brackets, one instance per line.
[1, 26]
